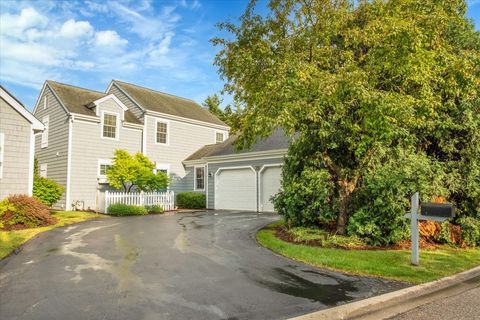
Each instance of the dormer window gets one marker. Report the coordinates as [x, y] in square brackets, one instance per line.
[110, 125]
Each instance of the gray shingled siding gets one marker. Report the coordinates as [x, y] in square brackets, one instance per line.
[55, 155]
[88, 147]
[184, 139]
[186, 184]
[16, 157]
[126, 101]
[213, 167]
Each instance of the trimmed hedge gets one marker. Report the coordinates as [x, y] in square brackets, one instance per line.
[191, 200]
[22, 211]
[154, 209]
[120, 209]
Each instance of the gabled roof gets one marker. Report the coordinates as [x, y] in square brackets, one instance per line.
[20, 108]
[77, 99]
[157, 101]
[276, 141]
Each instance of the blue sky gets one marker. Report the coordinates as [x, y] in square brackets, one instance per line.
[162, 45]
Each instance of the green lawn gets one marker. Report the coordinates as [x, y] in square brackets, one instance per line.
[392, 264]
[9, 240]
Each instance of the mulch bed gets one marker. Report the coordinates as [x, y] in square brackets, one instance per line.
[283, 234]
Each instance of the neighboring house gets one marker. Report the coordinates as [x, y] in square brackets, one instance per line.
[85, 127]
[17, 130]
[239, 180]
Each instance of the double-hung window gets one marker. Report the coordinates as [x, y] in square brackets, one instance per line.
[162, 132]
[103, 166]
[110, 125]
[219, 137]
[46, 123]
[199, 178]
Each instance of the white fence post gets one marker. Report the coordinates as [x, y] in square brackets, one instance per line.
[163, 199]
[107, 199]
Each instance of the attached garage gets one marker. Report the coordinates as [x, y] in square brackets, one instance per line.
[270, 178]
[241, 179]
[235, 189]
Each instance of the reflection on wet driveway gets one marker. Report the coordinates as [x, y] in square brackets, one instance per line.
[191, 266]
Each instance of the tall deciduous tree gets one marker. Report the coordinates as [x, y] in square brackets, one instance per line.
[212, 104]
[135, 171]
[360, 78]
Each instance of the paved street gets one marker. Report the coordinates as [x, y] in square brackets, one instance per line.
[187, 266]
[462, 306]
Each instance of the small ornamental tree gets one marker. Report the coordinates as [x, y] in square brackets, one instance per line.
[129, 172]
[46, 190]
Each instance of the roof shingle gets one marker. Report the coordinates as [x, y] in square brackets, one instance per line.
[276, 141]
[165, 103]
[76, 99]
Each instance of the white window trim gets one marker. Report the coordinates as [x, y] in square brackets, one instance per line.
[44, 136]
[101, 177]
[45, 102]
[195, 178]
[43, 170]
[2, 153]
[167, 143]
[117, 129]
[163, 166]
[223, 133]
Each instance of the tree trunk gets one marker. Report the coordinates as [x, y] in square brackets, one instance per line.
[345, 189]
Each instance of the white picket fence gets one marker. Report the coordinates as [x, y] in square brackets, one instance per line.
[164, 199]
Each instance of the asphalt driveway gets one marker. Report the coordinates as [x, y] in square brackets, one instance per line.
[188, 266]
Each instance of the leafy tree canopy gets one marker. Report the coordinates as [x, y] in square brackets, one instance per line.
[135, 171]
[212, 104]
[362, 80]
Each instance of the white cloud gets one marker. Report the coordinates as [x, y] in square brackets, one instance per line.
[163, 47]
[31, 53]
[147, 26]
[194, 4]
[76, 29]
[109, 38]
[16, 25]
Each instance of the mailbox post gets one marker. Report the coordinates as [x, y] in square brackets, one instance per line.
[429, 211]
[414, 228]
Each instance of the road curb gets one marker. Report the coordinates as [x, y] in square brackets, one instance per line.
[383, 306]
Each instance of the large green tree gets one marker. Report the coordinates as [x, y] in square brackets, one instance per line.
[363, 81]
[135, 171]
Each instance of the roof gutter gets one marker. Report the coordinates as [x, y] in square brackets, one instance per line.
[187, 120]
[278, 153]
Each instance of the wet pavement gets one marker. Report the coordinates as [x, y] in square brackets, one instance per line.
[187, 266]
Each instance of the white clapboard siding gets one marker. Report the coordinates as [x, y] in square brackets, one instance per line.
[164, 199]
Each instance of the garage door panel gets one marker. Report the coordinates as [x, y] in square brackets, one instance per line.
[235, 189]
[270, 179]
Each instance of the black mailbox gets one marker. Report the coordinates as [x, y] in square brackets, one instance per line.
[440, 210]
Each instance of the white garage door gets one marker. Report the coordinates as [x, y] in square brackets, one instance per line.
[235, 189]
[269, 186]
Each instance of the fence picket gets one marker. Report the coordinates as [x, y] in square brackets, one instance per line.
[166, 200]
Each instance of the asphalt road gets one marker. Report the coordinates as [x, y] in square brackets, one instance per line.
[462, 306]
[186, 266]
